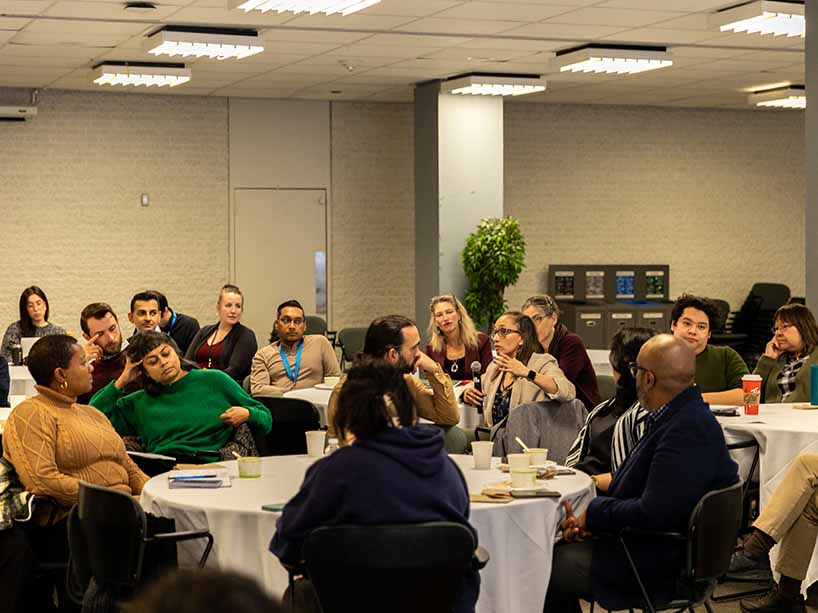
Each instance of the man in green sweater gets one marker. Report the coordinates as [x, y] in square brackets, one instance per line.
[718, 369]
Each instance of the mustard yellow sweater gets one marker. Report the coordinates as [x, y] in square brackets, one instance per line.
[54, 443]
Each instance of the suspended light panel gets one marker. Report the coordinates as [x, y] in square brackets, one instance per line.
[328, 7]
[602, 59]
[493, 85]
[218, 44]
[792, 97]
[764, 17]
[141, 74]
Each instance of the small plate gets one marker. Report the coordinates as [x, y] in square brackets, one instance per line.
[506, 486]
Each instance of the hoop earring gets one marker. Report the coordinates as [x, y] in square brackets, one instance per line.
[64, 385]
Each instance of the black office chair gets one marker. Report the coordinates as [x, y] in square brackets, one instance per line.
[708, 543]
[108, 536]
[606, 386]
[292, 417]
[351, 342]
[401, 568]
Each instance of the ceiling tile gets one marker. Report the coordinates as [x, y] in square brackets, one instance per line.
[413, 8]
[566, 31]
[68, 39]
[658, 36]
[48, 51]
[13, 23]
[105, 10]
[414, 40]
[24, 7]
[221, 16]
[5, 35]
[505, 11]
[356, 21]
[386, 51]
[517, 44]
[75, 26]
[457, 26]
[490, 55]
[678, 5]
[612, 17]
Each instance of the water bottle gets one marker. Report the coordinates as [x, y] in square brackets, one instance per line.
[17, 354]
[332, 445]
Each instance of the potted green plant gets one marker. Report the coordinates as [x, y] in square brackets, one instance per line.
[492, 260]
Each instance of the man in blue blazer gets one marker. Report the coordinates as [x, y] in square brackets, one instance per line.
[681, 457]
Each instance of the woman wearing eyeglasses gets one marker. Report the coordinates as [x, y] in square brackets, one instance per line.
[520, 373]
[565, 346]
[785, 365]
[454, 341]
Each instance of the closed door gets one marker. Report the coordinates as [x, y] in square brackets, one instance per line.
[279, 253]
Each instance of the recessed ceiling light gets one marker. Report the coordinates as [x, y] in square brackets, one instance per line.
[328, 7]
[149, 74]
[493, 85]
[763, 17]
[612, 59]
[792, 97]
[139, 7]
[216, 43]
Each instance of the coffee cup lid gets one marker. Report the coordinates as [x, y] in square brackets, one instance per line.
[751, 378]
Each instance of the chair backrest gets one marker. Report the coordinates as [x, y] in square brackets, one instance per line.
[723, 310]
[712, 530]
[351, 341]
[316, 325]
[113, 529]
[397, 568]
[292, 417]
[606, 386]
[245, 384]
[552, 425]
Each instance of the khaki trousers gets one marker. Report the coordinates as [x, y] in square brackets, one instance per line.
[791, 516]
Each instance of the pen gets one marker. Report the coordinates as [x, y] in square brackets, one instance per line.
[185, 478]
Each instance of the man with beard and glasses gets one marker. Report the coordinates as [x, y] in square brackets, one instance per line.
[104, 347]
[396, 340]
[296, 360]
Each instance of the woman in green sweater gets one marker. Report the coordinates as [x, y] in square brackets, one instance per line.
[785, 365]
[180, 410]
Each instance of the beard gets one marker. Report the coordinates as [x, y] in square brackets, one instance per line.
[404, 366]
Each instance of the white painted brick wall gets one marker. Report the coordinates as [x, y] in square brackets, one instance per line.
[70, 183]
[716, 194]
[373, 203]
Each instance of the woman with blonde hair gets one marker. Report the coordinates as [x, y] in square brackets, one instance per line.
[454, 341]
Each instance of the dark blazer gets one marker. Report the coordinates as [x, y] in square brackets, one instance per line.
[184, 330]
[5, 382]
[679, 460]
[237, 351]
[481, 353]
[573, 359]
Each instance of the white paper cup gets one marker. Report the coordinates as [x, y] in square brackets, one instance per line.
[333, 381]
[518, 461]
[524, 478]
[538, 456]
[250, 468]
[482, 454]
[315, 443]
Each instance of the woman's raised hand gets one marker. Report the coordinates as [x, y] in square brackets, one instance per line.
[129, 373]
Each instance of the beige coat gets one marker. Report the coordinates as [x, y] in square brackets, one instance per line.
[524, 391]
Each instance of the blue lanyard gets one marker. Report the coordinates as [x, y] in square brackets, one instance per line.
[172, 323]
[292, 375]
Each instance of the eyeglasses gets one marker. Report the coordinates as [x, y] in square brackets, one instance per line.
[635, 368]
[287, 321]
[781, 328]
[504, 332]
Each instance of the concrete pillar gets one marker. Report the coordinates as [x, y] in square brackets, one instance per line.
[811, 162]
[458, 182]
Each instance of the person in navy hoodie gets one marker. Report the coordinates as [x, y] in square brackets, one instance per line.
[395, 471]
[681, 457]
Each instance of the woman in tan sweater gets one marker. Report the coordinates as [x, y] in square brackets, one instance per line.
[53, 442]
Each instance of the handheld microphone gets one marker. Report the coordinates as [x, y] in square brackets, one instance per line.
[475, 375]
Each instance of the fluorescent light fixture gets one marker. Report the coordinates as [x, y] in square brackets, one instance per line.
[763, 17]
[618, 59]
[792, 97]
[215, 43]
[329, 7]
[493, 85]
[149, 74]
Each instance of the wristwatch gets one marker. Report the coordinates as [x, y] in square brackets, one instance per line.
[532, 374]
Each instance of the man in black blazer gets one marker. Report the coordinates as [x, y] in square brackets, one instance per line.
[681, 457]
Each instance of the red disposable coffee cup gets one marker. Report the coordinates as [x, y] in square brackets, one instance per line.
[751, 385]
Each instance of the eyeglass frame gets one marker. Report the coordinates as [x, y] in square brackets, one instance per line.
[634, 369]
[783, 326]
[503, 332]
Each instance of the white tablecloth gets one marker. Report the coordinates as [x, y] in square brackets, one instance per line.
[600, 360]
[519, 536]
[782, 433]
[22, 383]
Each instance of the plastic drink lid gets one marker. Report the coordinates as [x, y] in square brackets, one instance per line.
[752, 377]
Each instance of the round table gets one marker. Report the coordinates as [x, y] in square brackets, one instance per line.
[783, 433]
[319, 396]
[21, 381]
[519, 535]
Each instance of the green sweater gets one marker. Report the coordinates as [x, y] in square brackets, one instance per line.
[769, 369]
[719, 369]
[184, 418]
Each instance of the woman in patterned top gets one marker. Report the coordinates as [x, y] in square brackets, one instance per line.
[33, 320]
[785, 365]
